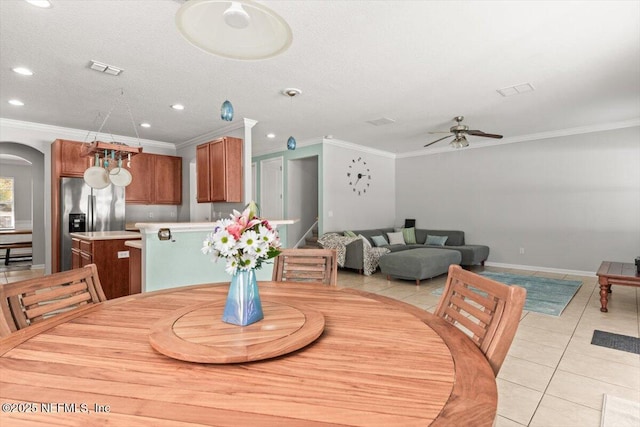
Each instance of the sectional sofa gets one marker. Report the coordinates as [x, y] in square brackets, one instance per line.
[419, 260]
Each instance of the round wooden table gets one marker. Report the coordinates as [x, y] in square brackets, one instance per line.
[379, 362]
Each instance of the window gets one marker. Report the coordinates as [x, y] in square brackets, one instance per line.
[7, 213]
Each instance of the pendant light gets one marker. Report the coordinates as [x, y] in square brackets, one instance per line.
[226, 111]
[291, 92]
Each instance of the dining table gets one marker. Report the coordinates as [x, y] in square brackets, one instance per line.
[322, 356]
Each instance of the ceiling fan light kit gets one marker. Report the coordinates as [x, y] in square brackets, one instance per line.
[458, 131]
[243, 30]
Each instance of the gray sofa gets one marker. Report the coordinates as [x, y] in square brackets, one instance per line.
[470, 254]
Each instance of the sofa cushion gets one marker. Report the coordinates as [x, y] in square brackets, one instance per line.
[455, 238]
[436, 240]
[396, 238]
[365, 242]
[368, 234]
[409, 235]
[379, 241]
[349, 234]
[418, 264]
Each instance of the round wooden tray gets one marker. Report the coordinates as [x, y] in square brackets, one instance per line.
[198, 334]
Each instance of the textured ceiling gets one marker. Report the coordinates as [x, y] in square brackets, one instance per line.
[419, 63]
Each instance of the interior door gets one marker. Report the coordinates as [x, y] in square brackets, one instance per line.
[271, 189]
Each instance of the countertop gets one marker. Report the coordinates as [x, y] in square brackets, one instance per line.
[134, 244]
[107, 235]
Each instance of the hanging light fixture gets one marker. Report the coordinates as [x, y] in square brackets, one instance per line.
[459, 142]
[226, 111]
[234, 29]
[291, 92]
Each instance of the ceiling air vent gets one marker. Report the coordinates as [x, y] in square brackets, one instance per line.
[381, 121]
[516, 90]
[105, 68]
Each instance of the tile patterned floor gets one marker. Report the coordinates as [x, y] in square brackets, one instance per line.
[552, 375]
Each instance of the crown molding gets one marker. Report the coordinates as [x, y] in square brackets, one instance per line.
[357, 147]
[531, 137]
[307, 143]
[79, 134]
[214, 134]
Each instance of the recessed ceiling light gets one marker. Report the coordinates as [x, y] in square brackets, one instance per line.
[177, 107]
[22, 70]
[16, 102]
[145, 125]
[271, 135]
[45, 4]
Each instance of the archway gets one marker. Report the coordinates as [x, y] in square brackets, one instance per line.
[36, 158]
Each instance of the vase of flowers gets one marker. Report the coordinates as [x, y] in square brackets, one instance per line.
[245, 241]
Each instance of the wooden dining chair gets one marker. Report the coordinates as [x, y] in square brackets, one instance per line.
[306, 265]
[30, 301]
[490, 311]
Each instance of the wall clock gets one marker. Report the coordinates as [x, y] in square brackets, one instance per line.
[359, 176]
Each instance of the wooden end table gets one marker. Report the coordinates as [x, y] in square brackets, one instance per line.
[615, 273]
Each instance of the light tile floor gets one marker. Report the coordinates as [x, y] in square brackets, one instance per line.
[552, 375]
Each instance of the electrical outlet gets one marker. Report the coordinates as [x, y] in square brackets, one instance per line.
[150, 215]
[521, 251]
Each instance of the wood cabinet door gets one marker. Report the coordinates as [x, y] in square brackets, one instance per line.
[75, 259]
[217, 171]
[71, 163]
[140, 191]
[168, 180]
[202, 173]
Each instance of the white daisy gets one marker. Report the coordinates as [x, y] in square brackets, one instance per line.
[249, 240]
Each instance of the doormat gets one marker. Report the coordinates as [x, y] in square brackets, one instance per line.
[616, 341]
[618, 412]
[544, 295]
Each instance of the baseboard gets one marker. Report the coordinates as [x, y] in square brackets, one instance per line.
[545, 269]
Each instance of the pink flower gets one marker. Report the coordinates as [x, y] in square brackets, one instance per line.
[235, 229]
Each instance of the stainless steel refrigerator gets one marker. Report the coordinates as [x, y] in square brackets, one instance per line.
[86, 209]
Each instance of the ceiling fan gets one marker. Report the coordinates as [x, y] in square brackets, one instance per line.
[459, 131]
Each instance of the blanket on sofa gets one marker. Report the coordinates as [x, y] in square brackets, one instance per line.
[339, 242]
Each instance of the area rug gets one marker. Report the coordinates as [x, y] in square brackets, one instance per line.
[616, 341]
[618, 412]
[544, 295]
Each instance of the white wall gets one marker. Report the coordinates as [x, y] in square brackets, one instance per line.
[302, 196]
[570, 202]
[342, 209]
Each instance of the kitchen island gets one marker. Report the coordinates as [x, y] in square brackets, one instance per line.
[107, 250]
[172, 256]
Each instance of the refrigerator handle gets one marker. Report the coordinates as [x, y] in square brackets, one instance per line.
[90, 206]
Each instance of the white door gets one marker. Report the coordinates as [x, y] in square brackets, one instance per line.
[271, 202]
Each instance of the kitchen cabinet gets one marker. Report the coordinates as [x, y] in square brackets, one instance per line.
[156, 180]
[219, 170]
[111, 258]
[67, 159]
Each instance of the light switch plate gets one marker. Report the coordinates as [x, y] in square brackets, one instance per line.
[123, 254]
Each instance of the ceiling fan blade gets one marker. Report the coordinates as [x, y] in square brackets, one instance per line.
[483, 134]
[440, 131]
[438, 140]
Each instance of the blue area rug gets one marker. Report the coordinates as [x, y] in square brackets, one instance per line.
[544, 295]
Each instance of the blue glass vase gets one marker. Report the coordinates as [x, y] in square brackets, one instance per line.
[243, 305]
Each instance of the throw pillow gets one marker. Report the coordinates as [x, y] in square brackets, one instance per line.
[379, 240]
[436, 240]
[409, 235]
[396, 238]
[349, 234]
[365, 242]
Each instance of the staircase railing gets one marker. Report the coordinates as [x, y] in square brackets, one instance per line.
[306, 234]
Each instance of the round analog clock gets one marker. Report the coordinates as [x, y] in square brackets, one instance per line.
[359, 176]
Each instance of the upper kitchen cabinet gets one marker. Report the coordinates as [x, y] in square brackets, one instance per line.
[219, 170]
[66, 159]
[156, 180]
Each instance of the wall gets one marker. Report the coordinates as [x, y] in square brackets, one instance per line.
[303, 196]
[570, 202]
[342, 208]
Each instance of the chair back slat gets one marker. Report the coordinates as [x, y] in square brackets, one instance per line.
[490, 311]
[306, 265]
[30, 301]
